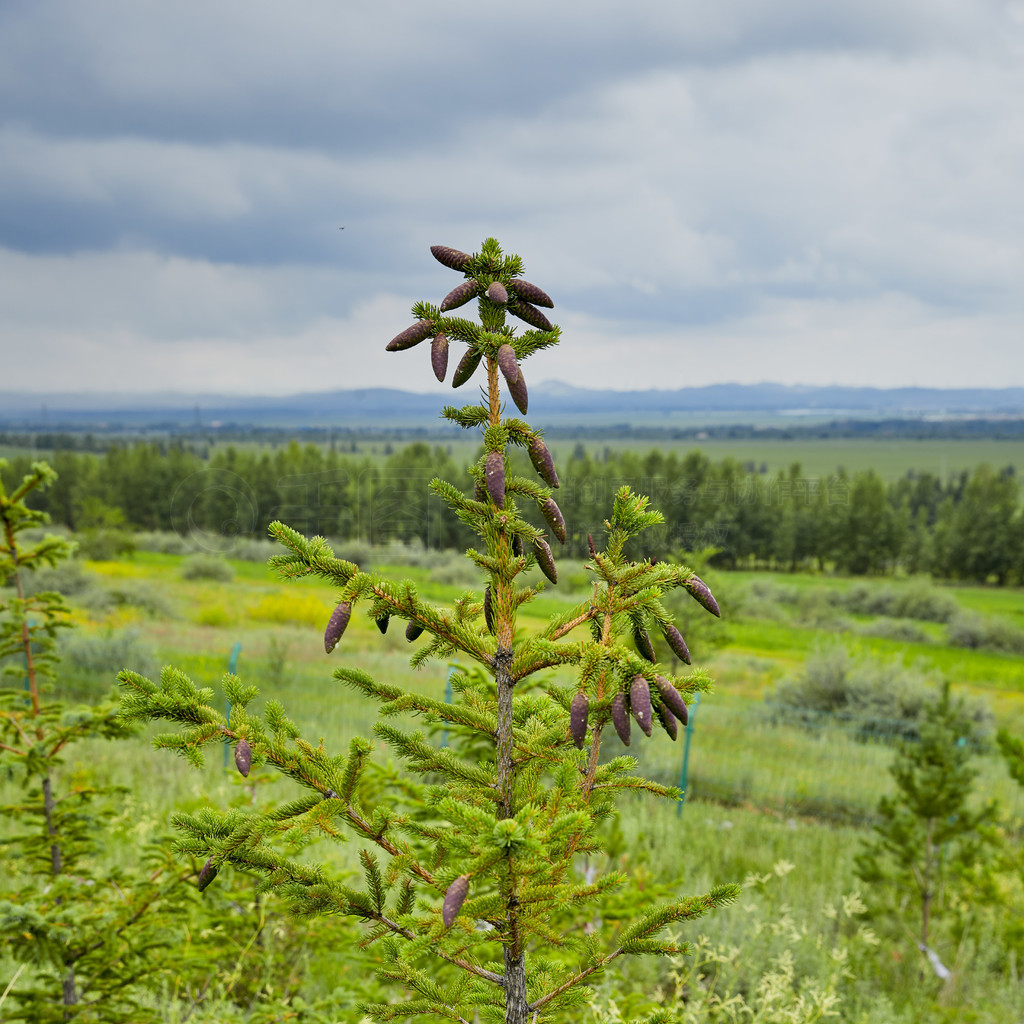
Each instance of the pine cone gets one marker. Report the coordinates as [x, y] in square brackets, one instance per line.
[545, 559]
[640, 703]
[620, 719]
[531, 314]
[439, 356]
[382, 622]
[542, 461]
[553, 514]
[243, 757]
[497, 293]
[506, 360]
[517, 389]
[467, 365]
[672, 699]
[206, 875]
[675, 640]
[488, 611]
[460, 295]
[643, 643]
[667, 720]
[450, 257]
[494, 470]
[453, 900]
[702, 595]
[411, 336]
[413, 631]
[336, 625]
[578, 715]
[530, 293]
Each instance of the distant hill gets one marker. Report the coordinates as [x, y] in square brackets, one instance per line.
[550, 403]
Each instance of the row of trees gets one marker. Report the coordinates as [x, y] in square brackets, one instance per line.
[969, 527]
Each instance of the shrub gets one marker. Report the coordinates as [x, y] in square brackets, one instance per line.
[766, 599]
[904, 630]
[919, 599]
[141, 595]
[968, 629]
[207, 567]
[68, 578]
[162, 542]
[879, 699]
[105, 653]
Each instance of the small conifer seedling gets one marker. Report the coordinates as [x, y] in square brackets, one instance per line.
[475, 897]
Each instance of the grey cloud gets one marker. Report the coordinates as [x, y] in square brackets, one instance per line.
[180, 171]
[344, 77]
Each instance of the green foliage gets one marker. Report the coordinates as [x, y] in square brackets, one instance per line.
[471, 891]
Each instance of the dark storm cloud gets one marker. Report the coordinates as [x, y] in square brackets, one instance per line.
[357, 76]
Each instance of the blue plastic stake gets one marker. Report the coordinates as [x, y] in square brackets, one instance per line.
[686, 754]
[233, 669]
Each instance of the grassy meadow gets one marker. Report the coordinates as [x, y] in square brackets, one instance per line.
[776, 804]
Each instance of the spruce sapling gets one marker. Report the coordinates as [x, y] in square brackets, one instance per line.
[84, 934]
[468, 898]
[929, 829]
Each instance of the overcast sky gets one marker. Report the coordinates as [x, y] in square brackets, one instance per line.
[792, 191]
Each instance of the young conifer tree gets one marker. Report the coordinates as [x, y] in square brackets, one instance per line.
[475, 900]
[84, 936]
[929, 830]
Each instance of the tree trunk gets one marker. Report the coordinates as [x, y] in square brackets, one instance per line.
[517, 1010]
[69, 992]
[516, 1006]
[56, 861]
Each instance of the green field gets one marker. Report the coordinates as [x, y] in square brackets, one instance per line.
[890, 459]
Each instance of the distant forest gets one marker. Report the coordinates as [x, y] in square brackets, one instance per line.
[969, 527]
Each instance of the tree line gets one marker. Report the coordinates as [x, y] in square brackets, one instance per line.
[967, 527]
